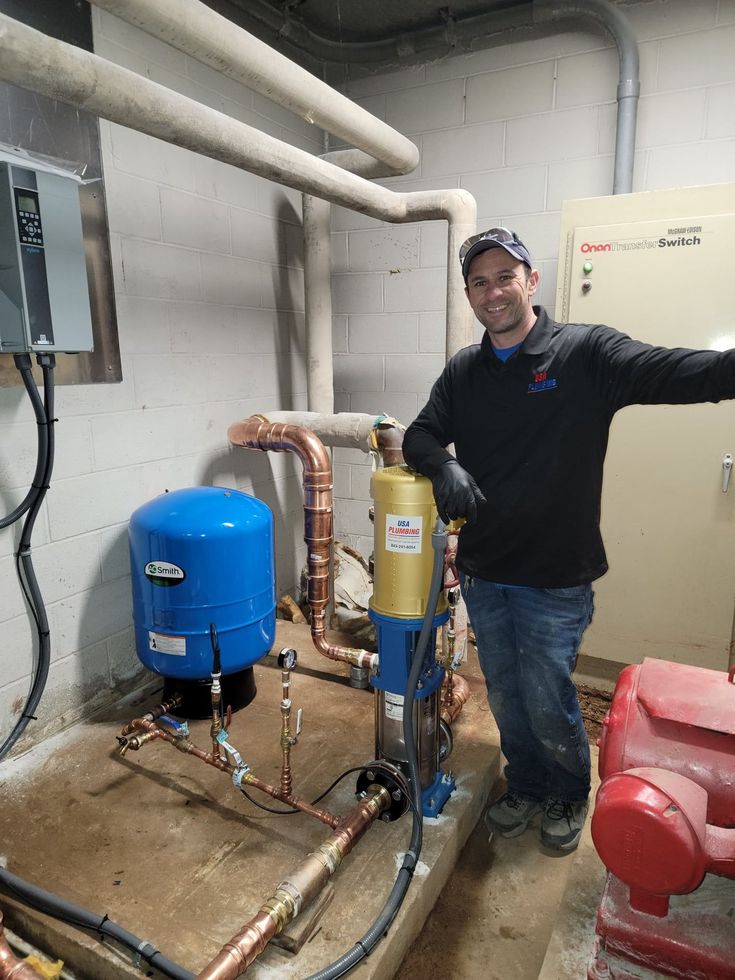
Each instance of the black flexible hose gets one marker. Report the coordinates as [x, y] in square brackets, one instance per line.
[82, 918]
[24, 565]
[23, 363]
[378, 929]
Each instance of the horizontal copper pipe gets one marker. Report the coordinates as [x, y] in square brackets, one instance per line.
[161, 709]
[188, 747]
[455, 692]
[295, 891]
[258, 433]
[12, 968]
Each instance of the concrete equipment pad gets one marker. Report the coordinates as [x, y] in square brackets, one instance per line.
[168, 848]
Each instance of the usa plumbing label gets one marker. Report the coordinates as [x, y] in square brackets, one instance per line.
[163, 643]
[403, 533]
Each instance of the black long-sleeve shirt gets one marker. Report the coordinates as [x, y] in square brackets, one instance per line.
[533, 433]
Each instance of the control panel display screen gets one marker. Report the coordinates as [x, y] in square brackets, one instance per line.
[26, 203]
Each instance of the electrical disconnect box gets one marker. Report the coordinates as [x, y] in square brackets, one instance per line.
[44, 296]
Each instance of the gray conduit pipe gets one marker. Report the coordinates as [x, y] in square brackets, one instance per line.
[620, 29]
[205, 35]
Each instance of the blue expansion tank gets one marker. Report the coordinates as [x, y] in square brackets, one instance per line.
[198, 556]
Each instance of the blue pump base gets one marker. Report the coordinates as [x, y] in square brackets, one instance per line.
[435, 796]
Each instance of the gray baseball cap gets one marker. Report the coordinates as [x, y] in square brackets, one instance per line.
[493, 238]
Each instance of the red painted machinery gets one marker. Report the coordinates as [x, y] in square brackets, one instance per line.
[664, 826]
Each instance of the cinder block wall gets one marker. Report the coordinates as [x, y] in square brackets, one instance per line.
[522, 127]
[208, 275]
[208, 271]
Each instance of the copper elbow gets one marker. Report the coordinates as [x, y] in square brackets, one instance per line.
[258, 433]
[452, 704]
[11, 968]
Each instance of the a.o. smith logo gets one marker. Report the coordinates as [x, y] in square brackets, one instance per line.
[164, 573]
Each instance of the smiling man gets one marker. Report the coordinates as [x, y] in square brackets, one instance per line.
[528, 411]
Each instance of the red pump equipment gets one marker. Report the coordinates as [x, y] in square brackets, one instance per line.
[664, 826]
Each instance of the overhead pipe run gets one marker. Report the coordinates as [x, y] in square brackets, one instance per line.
[196, 30]
[620, 29]
[351, 430]
[455, 35]
[61, 71]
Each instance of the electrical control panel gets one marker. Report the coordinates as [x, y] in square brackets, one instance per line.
[44, 296]
[657, 265]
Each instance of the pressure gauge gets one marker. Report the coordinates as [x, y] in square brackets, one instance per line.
[287, 658]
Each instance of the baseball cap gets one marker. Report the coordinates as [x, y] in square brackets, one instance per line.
[493, 238]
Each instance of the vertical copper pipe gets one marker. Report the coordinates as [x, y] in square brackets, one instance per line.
[296, 891]
[390, 444]
[258, 433]
[454, 694]
[11, 968]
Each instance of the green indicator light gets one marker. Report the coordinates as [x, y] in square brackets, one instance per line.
[587, 268]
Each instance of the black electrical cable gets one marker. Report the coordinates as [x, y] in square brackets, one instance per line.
[24, 562]
[23, 364]
[363, 947]
[327, 791]
[76, 915]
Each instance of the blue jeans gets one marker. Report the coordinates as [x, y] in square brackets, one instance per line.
[527, 642]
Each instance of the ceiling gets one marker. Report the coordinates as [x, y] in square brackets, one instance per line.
[328, 35]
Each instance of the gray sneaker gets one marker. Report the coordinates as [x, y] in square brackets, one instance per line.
[562, 824]
[510, 814]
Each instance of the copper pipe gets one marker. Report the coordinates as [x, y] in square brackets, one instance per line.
[390, 444]
[296, 891]
[258, 433]
[455, 692]
[331, 819]
[161, 709]
[12, 968]
[212, 759]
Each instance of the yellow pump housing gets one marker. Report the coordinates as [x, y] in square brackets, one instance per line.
[405, 516]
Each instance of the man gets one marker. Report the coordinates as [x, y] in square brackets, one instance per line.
[528, 411]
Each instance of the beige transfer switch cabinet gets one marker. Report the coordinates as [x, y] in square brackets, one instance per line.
[660, 266]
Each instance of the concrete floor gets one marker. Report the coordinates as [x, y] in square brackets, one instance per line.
[169, 849]
[512, 912]
[166, 847]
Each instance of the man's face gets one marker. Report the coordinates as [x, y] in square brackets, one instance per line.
[500, 295]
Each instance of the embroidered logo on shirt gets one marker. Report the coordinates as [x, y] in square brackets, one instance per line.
[541, 382]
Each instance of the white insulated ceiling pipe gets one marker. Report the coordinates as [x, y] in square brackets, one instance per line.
[205, 35]
[67, 73]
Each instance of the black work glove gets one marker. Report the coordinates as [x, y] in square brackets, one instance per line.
[456, 493]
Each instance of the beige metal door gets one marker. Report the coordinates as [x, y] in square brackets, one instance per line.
[668, 527]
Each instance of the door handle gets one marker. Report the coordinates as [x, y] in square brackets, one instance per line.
[726, 471]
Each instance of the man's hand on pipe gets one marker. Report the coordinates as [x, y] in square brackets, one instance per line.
[456, 493]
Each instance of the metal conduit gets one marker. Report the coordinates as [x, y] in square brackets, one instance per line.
[617, 25]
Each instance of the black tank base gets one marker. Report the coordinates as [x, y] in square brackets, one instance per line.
[238, 690]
